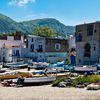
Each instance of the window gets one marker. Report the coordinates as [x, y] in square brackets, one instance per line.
[27, 43]
[95, 31]
[4, 59]
[57, 46]
[32, 40]
[17, 52]
[14, 53]
[94, 48]
[32, 48]
[90, 29]
[87, 50]
[40, 48]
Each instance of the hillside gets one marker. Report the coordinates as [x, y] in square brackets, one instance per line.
[8, 25]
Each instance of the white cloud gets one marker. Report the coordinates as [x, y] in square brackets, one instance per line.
[12, 2]
[21, 2]
[35, 16]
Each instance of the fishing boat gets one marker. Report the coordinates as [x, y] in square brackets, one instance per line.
[2, 71]
[36, 80]
[46, 72]
[42, 74]
[13, 75]
[40, 67]
[16, 65]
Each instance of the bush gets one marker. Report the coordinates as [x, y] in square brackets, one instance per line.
[80, 80]
[87, 79]
[56, 82]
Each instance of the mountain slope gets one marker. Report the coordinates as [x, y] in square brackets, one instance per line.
[7, 25]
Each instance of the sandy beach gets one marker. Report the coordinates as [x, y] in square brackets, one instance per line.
[47, 92]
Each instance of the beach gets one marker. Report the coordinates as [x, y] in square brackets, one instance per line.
[46, 92]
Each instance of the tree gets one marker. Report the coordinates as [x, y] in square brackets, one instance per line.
[17, 35]
[44, 31]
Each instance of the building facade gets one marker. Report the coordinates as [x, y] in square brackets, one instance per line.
[88, 43]
[71, 42]
[11, 49]
[47, 49]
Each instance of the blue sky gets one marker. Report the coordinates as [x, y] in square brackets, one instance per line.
[69, 12]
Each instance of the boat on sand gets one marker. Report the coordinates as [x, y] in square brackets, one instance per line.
[16, 65]
[13, 75]
[36, 80]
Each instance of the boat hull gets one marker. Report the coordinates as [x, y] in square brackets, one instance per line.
[20, 66]
[13, 76]
[37, 81]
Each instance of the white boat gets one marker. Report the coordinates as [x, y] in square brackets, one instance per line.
[16, 65]
[37, 80]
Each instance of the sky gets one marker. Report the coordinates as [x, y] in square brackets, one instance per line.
[69, 12]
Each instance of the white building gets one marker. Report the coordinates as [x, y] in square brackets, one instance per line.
[47, 49]
[11, 49]
[36, 48]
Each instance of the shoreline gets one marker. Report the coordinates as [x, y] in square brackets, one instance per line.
[46, 92]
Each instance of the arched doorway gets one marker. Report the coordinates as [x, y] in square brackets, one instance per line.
[87, 50]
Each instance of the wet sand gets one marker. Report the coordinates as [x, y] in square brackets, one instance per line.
[47, 92]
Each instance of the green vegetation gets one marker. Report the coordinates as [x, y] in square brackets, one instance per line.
[86, 79]
[17, 35]
[44, 31]
[56, 82]
[67, 62]
[59, 60]
[7, 25]
[80, 80]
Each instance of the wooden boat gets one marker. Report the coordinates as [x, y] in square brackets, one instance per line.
[16, 65]
[58, 75]
[2, 71]
[12, 75]
[36, 80]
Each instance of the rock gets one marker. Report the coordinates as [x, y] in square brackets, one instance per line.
[80, 86]
[68, 82]
[86, 84]
[62, 84]
[93, 87]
